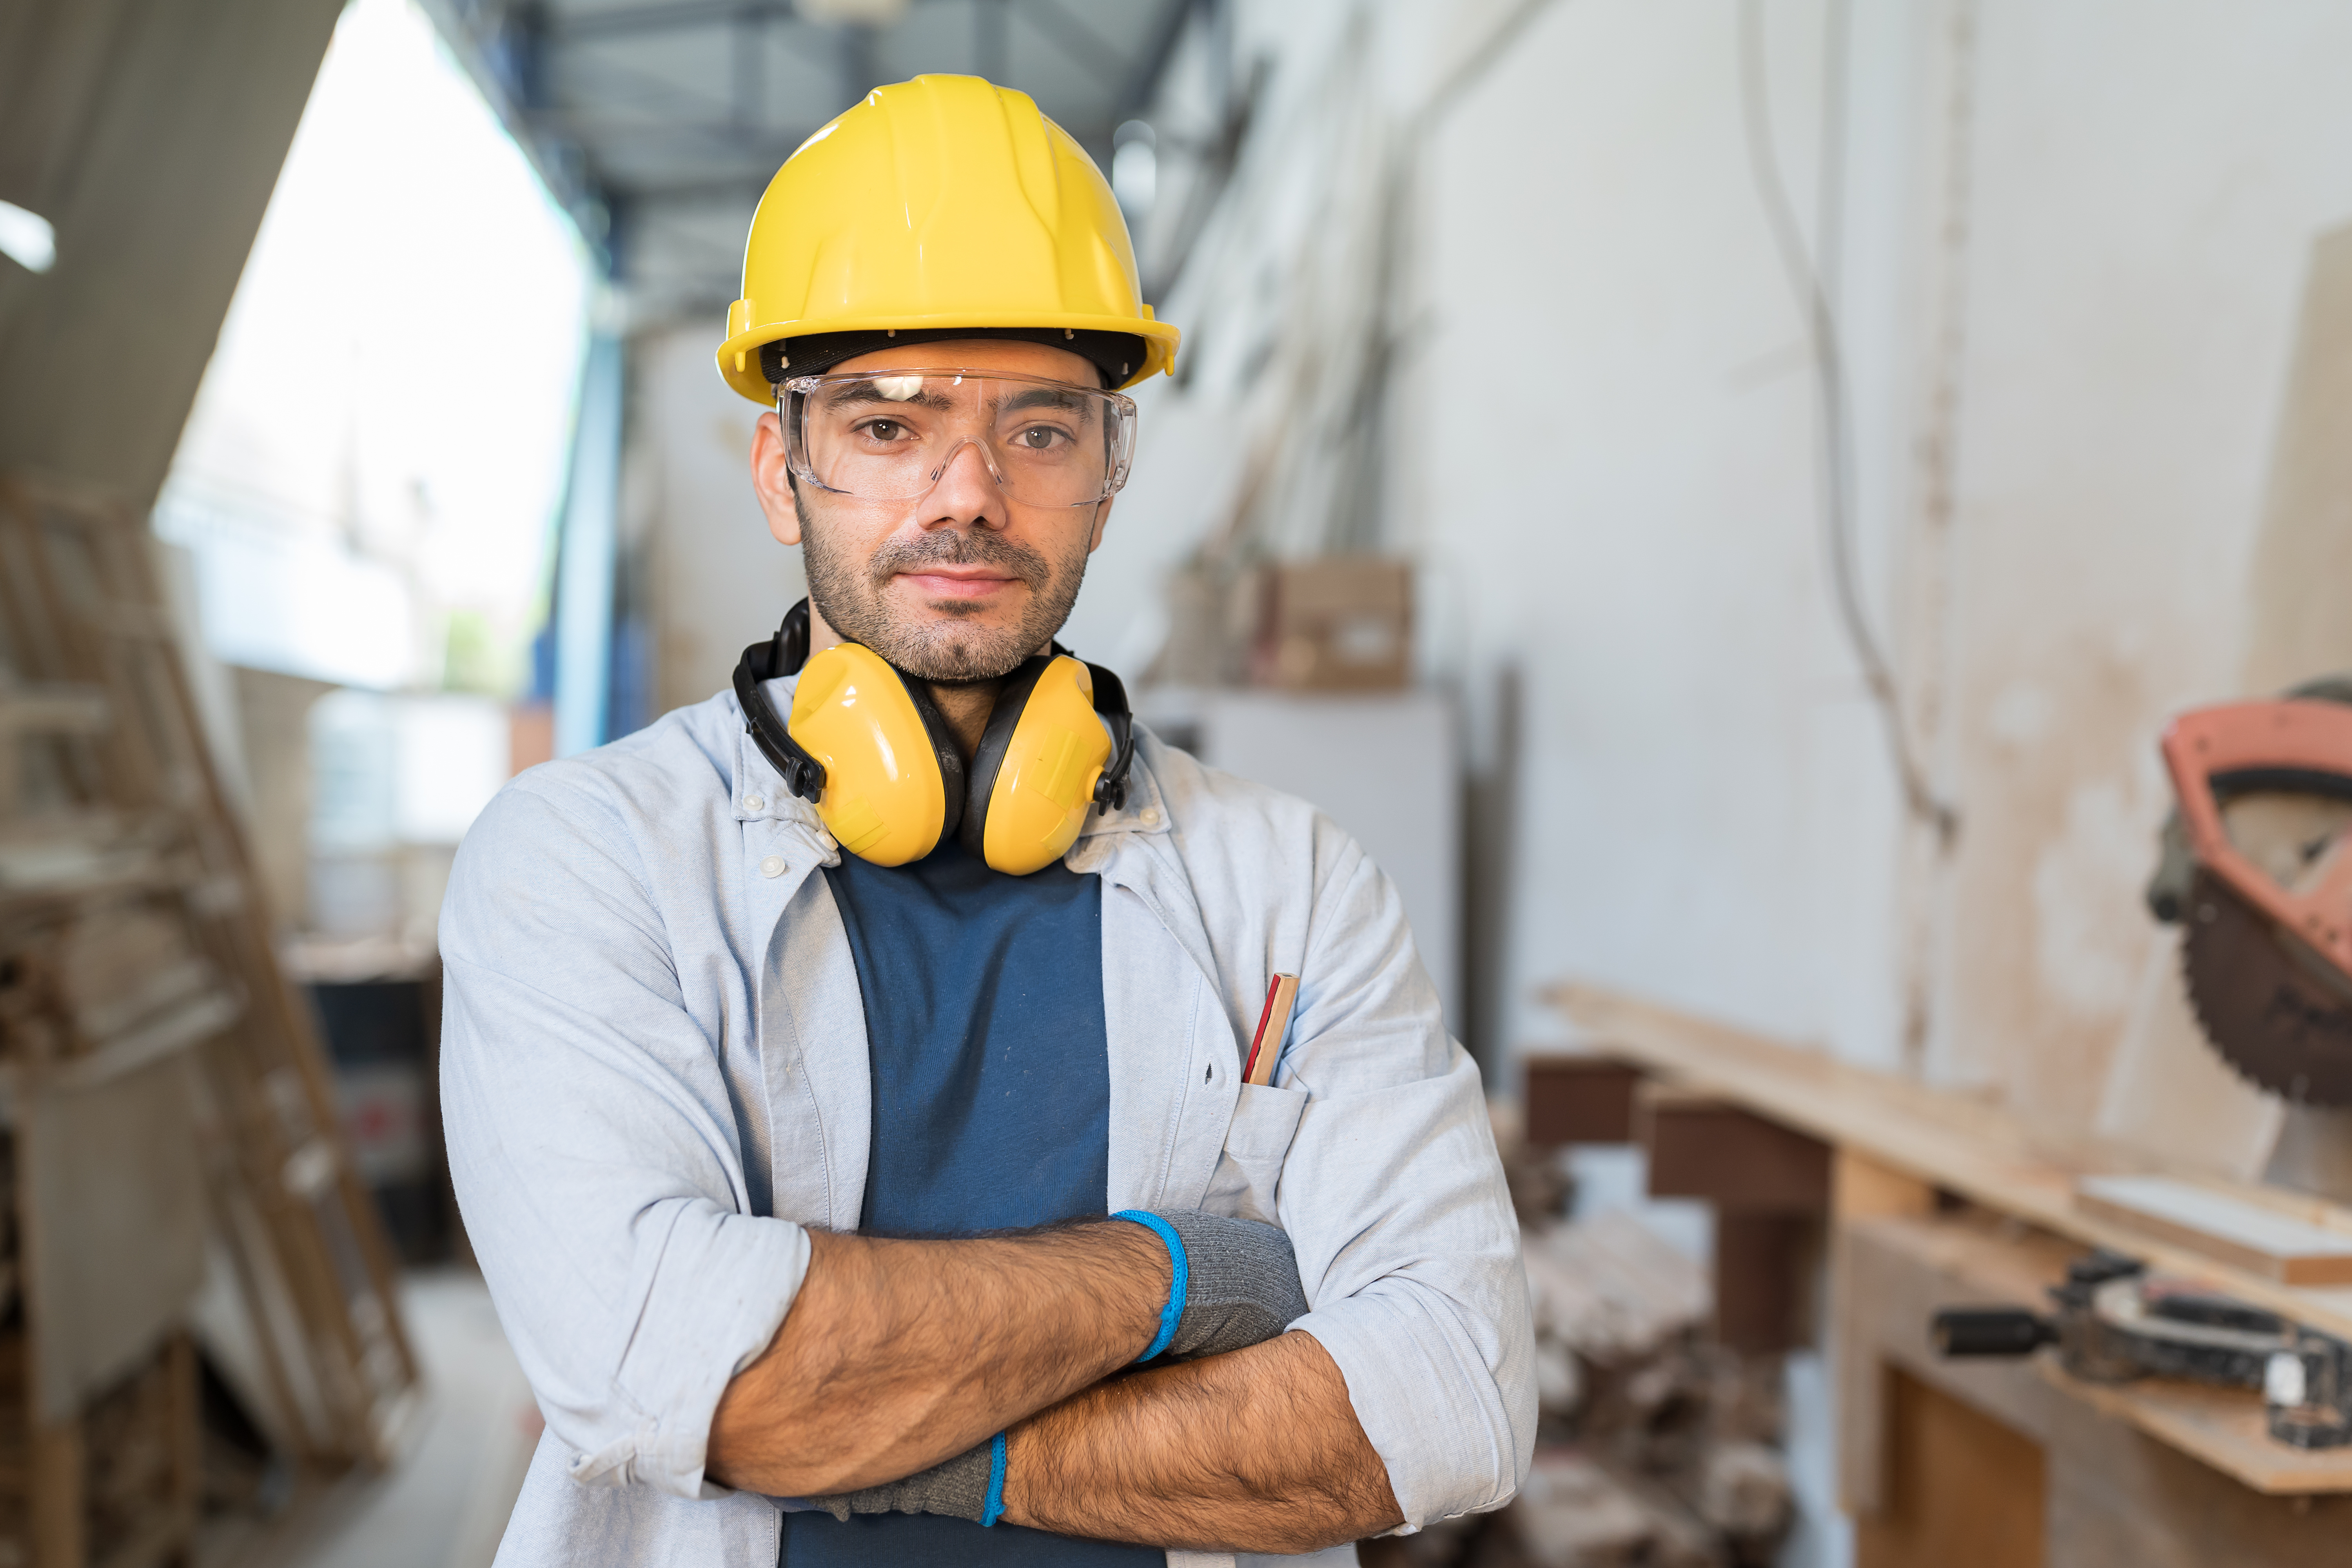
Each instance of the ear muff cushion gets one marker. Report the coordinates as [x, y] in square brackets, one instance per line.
[1042, 783]
[988, 762]
[889, 792]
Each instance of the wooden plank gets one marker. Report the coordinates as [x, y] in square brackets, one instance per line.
[2220, 1224]
[1861, 1188]
[1580, 1098]
[2224, 1428]
[1701, 1146]
[53, 710]
[1765, 1264]
[186, 1434]
[2295, 621]
[1858, 1381]
[1973, 1150]
[60, 1528]
[1966, 1490]
[163, 1541]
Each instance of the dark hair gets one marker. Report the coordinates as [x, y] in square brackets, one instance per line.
[1115, 356]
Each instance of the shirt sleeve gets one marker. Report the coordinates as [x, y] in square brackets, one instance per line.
[597, 1163]
[1393, 1196]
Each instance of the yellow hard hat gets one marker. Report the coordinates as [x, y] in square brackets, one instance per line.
[941, 202]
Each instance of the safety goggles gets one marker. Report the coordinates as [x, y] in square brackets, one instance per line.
[888, 435]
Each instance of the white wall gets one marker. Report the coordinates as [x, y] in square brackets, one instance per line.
[1708, 818]
[2074, 237]
[2154, 178]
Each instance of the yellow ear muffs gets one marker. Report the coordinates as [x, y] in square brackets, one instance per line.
[1034, 777]
[894, 781]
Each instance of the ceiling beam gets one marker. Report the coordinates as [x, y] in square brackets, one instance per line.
[1076, 39]
[1144, 80]
[676, 15]
[683, 193]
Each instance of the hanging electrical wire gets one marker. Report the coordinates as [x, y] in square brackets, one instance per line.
[1835, 484]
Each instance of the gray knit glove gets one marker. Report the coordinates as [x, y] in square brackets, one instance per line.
[956, 1489]
[1239, 1278]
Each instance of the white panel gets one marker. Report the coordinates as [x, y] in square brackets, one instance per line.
[454, 754]
[1384, 768]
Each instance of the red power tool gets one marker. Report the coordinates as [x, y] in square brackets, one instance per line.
[2258, 872]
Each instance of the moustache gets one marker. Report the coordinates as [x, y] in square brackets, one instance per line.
[953, 549]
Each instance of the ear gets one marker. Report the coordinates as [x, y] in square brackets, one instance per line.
[1102, 521]
[772, 479]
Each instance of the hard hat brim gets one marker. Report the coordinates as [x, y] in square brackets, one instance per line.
[738, 356]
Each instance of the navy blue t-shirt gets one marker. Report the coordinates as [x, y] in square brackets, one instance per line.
[991, 1110]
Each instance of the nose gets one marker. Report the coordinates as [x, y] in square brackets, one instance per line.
[966, 493]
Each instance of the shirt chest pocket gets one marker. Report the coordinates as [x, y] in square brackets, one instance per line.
[1266, 1119]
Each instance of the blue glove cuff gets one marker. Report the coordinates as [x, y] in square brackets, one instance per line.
[993, 1508]
[1175, 1308]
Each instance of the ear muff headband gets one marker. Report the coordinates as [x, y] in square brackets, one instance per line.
[859, 729]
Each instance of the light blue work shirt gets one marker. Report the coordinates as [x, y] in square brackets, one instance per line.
[654, 1074]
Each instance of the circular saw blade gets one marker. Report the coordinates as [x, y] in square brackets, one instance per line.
[2270, 1009]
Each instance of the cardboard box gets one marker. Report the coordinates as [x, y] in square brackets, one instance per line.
[1343, 623]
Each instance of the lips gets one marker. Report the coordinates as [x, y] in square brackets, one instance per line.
[952, 583]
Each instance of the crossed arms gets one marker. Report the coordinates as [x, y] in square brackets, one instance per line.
[617, 1184]
[897, 1354]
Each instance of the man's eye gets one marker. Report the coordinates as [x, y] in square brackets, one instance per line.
[885, 431]
[1042, 438]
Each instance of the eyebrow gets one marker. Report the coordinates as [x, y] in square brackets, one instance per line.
[1046, 397]
[866, 391]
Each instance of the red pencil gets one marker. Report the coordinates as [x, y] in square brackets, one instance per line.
[1273, 1023]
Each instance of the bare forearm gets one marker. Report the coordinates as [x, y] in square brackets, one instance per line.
[1255, 1451]
[897, 1354]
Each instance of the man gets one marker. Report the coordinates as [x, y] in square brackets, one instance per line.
[793, 1068]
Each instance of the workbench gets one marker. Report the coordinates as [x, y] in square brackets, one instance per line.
[1920, 1199]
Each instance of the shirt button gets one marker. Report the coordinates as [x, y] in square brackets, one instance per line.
[1149, 817]
[774, 866]
[755, 803]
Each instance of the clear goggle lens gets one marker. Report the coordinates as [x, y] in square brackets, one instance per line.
[891, 436]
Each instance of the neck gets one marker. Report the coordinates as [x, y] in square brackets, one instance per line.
[964, 707]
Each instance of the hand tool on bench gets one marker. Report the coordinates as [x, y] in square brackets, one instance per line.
[2113, 1321]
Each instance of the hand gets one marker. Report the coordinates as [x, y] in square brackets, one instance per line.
[1241, 1283]
[957, 1489]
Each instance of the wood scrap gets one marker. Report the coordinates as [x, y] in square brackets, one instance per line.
[1667, 1441]
[1609, 1289]
[2231, 1228]
[1572, 1513]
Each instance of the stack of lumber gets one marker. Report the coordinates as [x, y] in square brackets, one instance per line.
[1640, 1406]
[1656, 1446]
[165, 1125]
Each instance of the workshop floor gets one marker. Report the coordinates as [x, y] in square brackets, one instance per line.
[445, 1503]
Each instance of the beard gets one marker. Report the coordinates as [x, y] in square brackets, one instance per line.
[850, 596]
